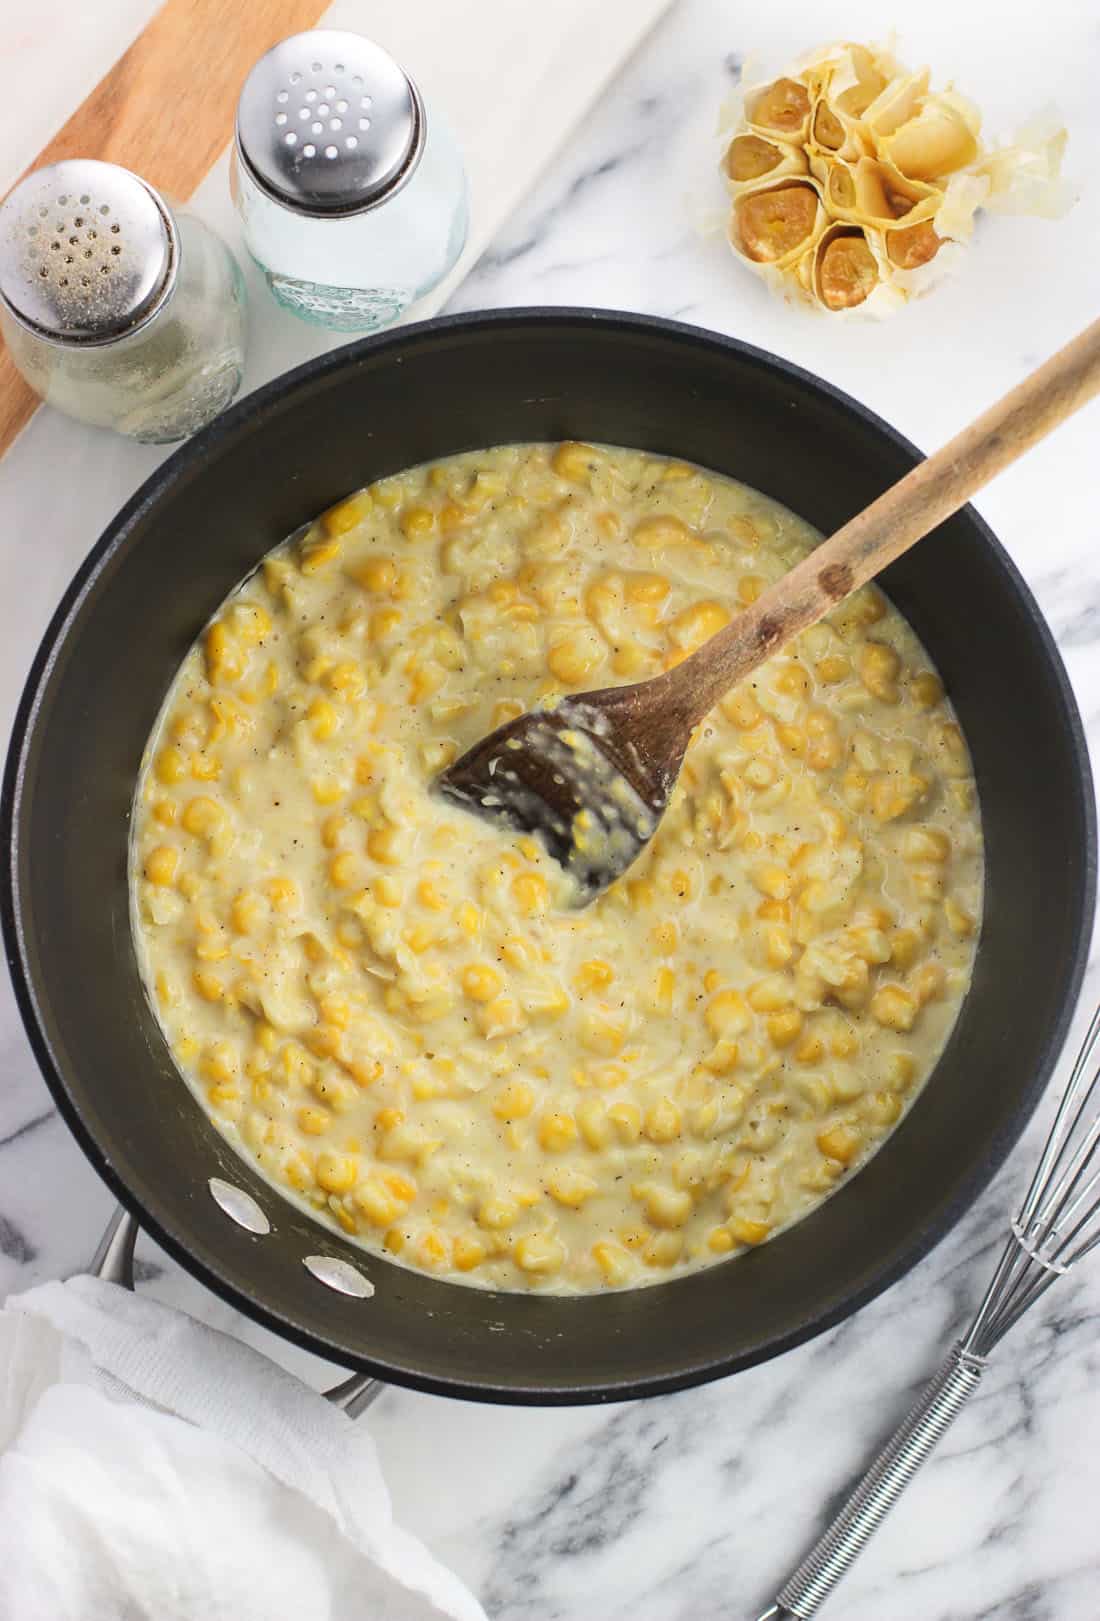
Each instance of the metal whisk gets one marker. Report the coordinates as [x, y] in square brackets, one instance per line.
[1058, 1224]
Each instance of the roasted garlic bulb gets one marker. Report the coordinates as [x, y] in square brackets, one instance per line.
[855, 185]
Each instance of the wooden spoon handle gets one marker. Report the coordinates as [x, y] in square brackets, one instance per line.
[927, 495]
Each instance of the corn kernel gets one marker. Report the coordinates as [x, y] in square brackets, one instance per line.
[557, 1131]
[613, 1262]
[603, 1030]
[347, 679]
[323, 719]
[539, 1253]
[416, 523]
[663, 1123]
[378, 1204]
[569, 1187]
[336, 1173]
[784, 1027]
[481, 982]
[467, 1253]
[665, 1207]
[664, 1249]
[727, 1014]
[810, 1050]
[433, 895]
[342, 869]
[594, 975]
[347, 514]
[573, 461]
[893, 1007]
[220, 1063]
[208, 985]
[660, 533]
[171, 767]
[497, 1213]
[383, 623]
[927, 689]
[595, 1126]
[664, 986]
[161, 865]
[646, 588]
[773, 881]
[514, 1102]
[926, 844]
[839, 1142]
[902, 1069]
[927, 982]
[572, 660]
[224, 660]
[315, 551]
[377, 574]
[386, 845]
[959, 920]
[531, 893]
[878, 670]
[203, 817]
[283, 894]
[746, 1231]
[697, 624]
[386, 891]
[770, 995]
[627, 1120]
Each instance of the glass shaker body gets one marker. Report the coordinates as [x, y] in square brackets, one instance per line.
[174, 372]
[351, 193]
[359, 273]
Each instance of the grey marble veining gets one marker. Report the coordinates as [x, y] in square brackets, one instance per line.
[693, 1507]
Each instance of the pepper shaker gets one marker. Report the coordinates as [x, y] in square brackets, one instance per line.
[117, 309]
[352, 196]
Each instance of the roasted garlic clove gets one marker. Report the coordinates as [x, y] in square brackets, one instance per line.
[781, 108]
[896, 104]
[835, 134]
[750, 157]
[773, 225]
[909, 246]
[860, 76]
[846, 271]
[883, 193]
[941, 138]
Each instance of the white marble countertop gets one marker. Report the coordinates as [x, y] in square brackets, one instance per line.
[695, 1505]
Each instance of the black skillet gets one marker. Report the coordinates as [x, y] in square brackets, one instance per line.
[204, 520]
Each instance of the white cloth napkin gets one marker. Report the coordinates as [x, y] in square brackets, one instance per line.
[151, 1467]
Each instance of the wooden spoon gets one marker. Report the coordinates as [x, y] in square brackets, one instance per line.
[592, 775]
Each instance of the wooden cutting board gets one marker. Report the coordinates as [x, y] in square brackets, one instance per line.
[166, 111]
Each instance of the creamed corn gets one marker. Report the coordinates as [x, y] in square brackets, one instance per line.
[390, 1005]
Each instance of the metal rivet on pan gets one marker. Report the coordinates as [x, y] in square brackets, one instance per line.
[238, 1205]
[339, 1275]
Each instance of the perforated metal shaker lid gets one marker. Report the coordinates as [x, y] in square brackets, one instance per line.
[328, 124]
[88, 252]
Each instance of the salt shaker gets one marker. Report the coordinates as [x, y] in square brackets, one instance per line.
[352, 196]
[118, 310]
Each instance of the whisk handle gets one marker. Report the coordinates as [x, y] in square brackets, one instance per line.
[918, 1434]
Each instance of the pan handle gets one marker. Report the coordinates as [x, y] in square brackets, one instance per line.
[113, 1261]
